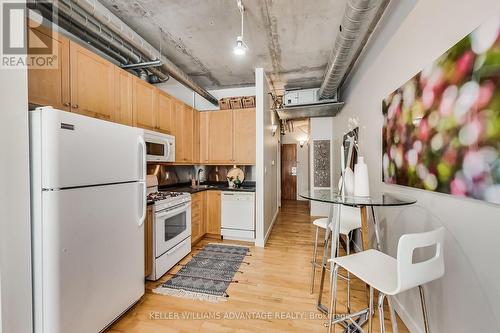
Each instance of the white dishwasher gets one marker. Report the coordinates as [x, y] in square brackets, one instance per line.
[238, 215]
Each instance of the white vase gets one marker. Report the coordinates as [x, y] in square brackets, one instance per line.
[349, 181]
[361, 183]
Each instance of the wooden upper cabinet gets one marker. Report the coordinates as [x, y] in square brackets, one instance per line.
[188, 133]
[145, 104]
[124, 86]
[220, 132]
[244, 136]
[50, 87]
[178, 129]
[164, 123]
[196, 136]
[213, 212]
[203, 136]
[92, 83]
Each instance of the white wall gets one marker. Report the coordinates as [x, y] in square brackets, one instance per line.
[320, 129]
[267, 148]
[302, 160]
[177, 90]
[15, 240]
[414, 34]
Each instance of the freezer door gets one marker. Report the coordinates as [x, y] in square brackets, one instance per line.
[88, 257]
[76, 150]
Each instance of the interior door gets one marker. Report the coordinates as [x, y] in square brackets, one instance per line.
[289, 172]
[89, 255]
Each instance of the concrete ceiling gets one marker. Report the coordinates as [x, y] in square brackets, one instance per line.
[290, 39]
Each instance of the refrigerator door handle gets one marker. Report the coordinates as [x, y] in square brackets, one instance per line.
[144, 203]
[142, 158]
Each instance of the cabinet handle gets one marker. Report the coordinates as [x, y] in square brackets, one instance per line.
[75, 106]
[66, 104]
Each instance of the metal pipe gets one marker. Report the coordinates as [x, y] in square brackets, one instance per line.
[354, 29]
[110, 21]
[145, 64]
[72, 28]
[88, 25]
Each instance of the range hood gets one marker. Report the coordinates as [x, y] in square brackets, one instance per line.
[322, 108]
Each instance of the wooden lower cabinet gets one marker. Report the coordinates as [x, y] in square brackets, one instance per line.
[148, 242]
[197, 216]
[213, 212]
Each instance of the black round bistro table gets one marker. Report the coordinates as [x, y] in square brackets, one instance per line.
[336, 201]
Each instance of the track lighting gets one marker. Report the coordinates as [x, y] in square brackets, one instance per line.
[240, 48]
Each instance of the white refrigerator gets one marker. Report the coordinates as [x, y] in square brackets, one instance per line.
[88, 209]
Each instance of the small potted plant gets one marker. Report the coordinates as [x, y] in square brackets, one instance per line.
[230, 181]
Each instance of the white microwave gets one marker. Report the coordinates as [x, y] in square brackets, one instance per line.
[159, 147]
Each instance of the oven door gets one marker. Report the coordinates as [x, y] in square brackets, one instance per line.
[172, 226]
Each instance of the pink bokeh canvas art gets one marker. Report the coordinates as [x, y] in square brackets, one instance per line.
[442, 128]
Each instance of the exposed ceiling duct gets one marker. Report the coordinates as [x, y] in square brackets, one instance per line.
[95, 19]
[359, 21]
[325, 108]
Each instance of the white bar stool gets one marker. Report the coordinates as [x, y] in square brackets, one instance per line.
[350, 220]
[392, 276]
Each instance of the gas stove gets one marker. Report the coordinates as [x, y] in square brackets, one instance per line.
[164, 199]
[171, 227]
[158, 196]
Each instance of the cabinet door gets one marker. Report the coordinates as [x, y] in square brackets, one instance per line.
[124, 107]
[50, 87]
[204, 138]
[145, 104]
[196, 136]
[164, 113]
[148, 242]
[92, 83]
[213, 212]
[220, 132]
[244, 136]
[178, 130]
[188, 133]
[197, 217]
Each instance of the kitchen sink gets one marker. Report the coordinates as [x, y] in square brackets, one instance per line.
[203, 186]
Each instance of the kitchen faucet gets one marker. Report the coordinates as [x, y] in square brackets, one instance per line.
[198, 177]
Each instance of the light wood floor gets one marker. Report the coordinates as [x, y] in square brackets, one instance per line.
[275, 281]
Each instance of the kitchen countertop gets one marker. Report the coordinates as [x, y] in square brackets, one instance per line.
[218, 186]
